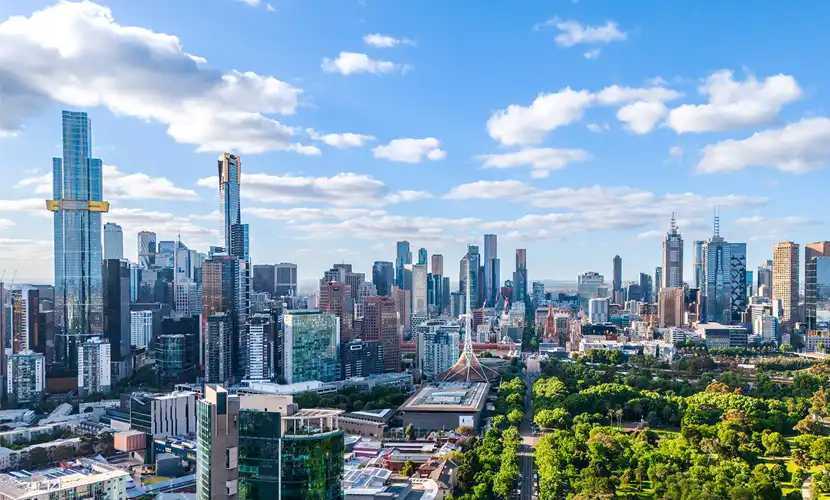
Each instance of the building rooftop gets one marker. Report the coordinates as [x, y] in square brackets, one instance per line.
[448, 397]
[82, 472]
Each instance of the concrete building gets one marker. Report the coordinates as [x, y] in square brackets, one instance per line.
[672, 258]
[141, 328]
[217, 466]
[336, 299]
[437, 264]
[25, 377]
[718, 336]
[765, 328]
[380, 323]
[617, 282]
[113, 241]
[588, 284]
[162, 415]
[419, 289]
[445, 406]
[598, 310]
[361, 358]
[94, 373]
[817, 285]
[80, 478]
[785, 262]
[671, 307]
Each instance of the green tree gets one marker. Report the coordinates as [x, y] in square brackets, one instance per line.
[409, 433]
[408, 468]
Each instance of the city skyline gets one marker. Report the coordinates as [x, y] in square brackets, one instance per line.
[324, 191]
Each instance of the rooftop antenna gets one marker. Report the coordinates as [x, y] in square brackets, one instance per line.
[673, 224]
[717, 222]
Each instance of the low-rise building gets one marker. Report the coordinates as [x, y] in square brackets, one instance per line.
[718, 336]
[83, 478]
[445, 406]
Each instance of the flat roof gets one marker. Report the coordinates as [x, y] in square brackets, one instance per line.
[448, 397]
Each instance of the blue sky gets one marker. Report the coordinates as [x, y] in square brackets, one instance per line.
[602, 118]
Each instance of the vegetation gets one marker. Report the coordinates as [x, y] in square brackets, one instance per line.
[351, 399]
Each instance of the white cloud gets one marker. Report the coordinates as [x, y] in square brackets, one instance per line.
[642, 116]
[411, 150]
[344, 189]
[349, 63]
[597, 128]
[26, 205]
[796, 148]
[392, 227]
[121, 185]
[6, 223]
[252, 3]
[676, 152]
[340, 141]
[653, 234]
[305, 214]
[165, 224]
[523, 125]
[592, 54]
[270, 8]
[384, 41]
[573, 33]
[76, 54]
[735, 104]
[541, 160]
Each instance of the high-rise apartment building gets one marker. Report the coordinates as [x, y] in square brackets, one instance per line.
[230, 178]
[697, 262]
[437, 265]
[598, 310]
[383, 276]
[492, 276]
[261, 347]
[817, 285]
[286, 281]
[785, 262]
[617, 280]
[380, 323]
[402, 258]
[146, 249]
[670, 307]
[724, 285]
[94, 373]
[520, 276]
[176, 350]
[422, 256]
[141, 328]
[117, 329]
[354, 280]
[24, 302]
[403, 304]
[219, 353]
[365, 291]
[113, 241]
[419, 289]
[25, 377]
[672, 258]
[225, 290]
[312, 346]
[658, 280]
[77, 204]
[264, 278]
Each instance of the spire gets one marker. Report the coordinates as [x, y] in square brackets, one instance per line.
[673, 227]
[717, 222]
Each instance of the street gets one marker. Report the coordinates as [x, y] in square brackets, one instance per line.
[527, 484]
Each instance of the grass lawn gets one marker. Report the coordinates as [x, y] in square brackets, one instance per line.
[156, 479]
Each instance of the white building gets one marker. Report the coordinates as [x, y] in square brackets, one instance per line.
[113, 241]
[424, 333]
[260, 347]
[598, 310]
[364, 291]
[588, 284]
[94, 374]
[188, 298]
[766, 329]
[86, 478]
[419, 289]
[162, 415]
[25, 377]
[141, 328]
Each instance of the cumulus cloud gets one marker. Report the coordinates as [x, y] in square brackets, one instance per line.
[411, 150]
[344, 189]
[384, 41]
[541, 160]
[167, 225]
[121, 185]
[797, 148]
[350, 63]
[76, 54]
[642, 116]
[735, 104]
[575, 33]
[394, 227]
[26, 205]
[340, 141]
[305, 214]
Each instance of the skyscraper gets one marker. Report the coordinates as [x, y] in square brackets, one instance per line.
[492, 278]
[336, 298]
[312, 346]
[468, 269]
[230, 177]
[724, 285]
[146, 249]
[419, 289]
[422, 256]
[77, 205]
[117, 315]
[437, 264]
[286, 281]
[380, 323]
[403, 257]
[520, 276]
[697, 262]
[383, 276]
[617, 283]
[113, 241]
[672, 257]
[217, 467]
[785, 263]
[817, 285]
[765, 278]
[658, 280]
[264, 278]
[224, 291]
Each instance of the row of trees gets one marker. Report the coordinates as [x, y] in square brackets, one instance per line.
[351, 399]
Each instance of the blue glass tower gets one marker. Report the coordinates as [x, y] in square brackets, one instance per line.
[403, 257]
[230, 176]
[77, 204]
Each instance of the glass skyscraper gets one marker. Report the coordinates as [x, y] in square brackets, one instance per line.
[402, 258]
[724, 279]
[230, 176]
[77, 205]
[492, 277]
[312, 346]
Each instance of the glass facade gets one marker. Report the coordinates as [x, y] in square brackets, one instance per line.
[822, 298]
[204, 422]
[312, 346]
[403, 257]
[77, 184]
[312, 466]
[259, 454]
[724, 283]
[230, 175]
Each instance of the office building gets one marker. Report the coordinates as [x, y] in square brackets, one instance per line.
[598, 310]
[94, 373]
[817, 285]
[724, 285]
[670, 307]
[146, 249]
[419, 289]
[492, 277]
[749, 284]
[437, 266]
[225, 291]
[764, 278]
[402, 258]
[647, 288]
[617, 283]
[286, 280]
[354, 280]
[766, 329]
[25, 377]
[361, 358]
[187, 299]
[697, 262]
[658, 280]
[785, 262]
[588, 284]
[176, 350]
[672, 258]
[162, 415]
[219, 342]
[217, 465]
[422, 256]
[439, 348]
[383, 276]
[520, 276]
[403, 305]
[264, 278]
[261, 346]
[365, 291]
[77, 205]
[312, 346]
[469, 269]
[336, 299]
[113, 241]
[117, 316]
[380, 323]
[141, 328]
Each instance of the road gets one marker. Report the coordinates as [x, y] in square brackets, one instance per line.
[529, 441]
